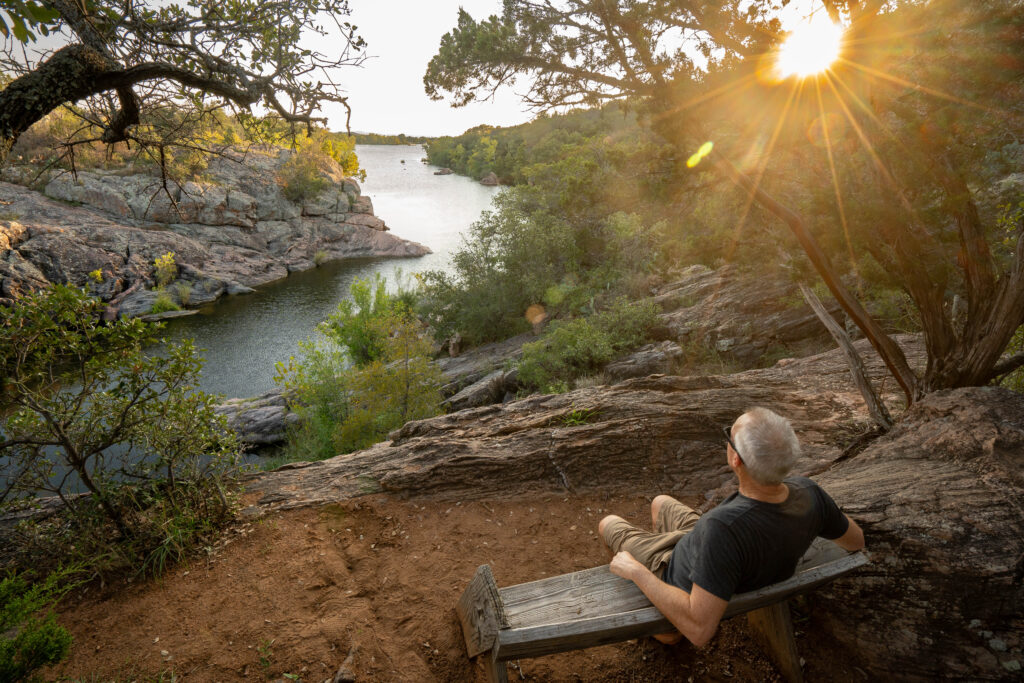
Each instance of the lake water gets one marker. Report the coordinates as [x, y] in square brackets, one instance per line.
[242, 337]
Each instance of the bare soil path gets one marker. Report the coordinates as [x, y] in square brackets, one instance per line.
[297, 592]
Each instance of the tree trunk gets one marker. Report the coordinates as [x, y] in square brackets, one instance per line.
[876, 408]
[70, 74]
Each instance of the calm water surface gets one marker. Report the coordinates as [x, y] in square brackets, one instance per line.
[242, 337]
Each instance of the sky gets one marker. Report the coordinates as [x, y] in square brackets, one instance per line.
[386, 93]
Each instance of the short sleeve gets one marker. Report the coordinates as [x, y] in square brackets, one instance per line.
[834, 523]
[717, 568]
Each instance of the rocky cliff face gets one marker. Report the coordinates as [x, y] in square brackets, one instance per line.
[233, 233]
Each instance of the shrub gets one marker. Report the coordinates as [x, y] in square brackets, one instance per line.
[30, 640]
[574, 348]
[126, 427]
[164, 303]
[320, 257]
[96, 275]
[302, 177]
[165, 269]
[370, 373]
[353, 325]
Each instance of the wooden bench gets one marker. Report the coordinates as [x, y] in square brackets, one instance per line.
[595, 607]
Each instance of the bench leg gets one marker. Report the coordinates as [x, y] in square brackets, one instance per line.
[497, 672]
[773, 629]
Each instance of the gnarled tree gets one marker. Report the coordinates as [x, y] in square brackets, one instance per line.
[243, 53]
[918, 125]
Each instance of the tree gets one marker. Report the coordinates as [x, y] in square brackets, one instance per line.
[691, 67]
[192, 53]
[83, 409]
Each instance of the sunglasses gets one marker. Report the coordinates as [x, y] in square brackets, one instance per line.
[728, 437]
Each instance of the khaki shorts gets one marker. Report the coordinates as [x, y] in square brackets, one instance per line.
[652, 549]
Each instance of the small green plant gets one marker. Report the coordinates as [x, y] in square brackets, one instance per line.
[266, 654]
[320, 257]
[96, 275]
[29, 638]
[579, 416]
[164, 303]
[1015, 380]
[184, 292]
[165, 269]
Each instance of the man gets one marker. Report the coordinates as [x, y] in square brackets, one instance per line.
[691, 565]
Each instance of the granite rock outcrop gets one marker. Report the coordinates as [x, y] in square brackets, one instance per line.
[237, 231]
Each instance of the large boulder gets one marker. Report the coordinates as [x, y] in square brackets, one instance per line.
[654, 434]
[740, 318]
[941, 500]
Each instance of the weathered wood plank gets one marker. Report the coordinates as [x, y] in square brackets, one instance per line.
[480, 612]
[581, 595]
[578, 631]
[773, 629]
[497, 671]
[597, 592]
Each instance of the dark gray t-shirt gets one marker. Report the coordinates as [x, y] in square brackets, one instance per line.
[746, 544]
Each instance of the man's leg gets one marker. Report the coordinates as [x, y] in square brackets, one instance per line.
[668, 514]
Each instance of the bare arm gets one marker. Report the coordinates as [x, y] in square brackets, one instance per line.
[853, 539]
[696, 614]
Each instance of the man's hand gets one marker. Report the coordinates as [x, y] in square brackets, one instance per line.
[625, 565]
[696, 614]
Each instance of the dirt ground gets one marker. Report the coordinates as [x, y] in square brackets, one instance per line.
[292, 595]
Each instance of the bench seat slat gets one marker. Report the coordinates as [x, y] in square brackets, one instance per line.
[596, 592]
[535, 631]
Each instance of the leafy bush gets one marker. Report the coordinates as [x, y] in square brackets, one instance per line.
[85, 409]
[165, 269]
[369, 374]
[29, 640]
[301, 177]
[96, 275]
[306, 174]
[575, 348]
[355, 327]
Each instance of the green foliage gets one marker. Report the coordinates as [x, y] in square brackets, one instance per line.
[184, 292]
[1015, 380]
[383, 139]
[29, 638]
[369, 374]
[85, 409]
[354, 325]
[96, 275]
[164, 303]
[23, 18]
[165, 269]
[574, 348]
[302, 177]
[320, 257]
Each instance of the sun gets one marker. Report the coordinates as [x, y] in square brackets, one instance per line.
[810, 48]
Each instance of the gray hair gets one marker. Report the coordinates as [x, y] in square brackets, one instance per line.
[767, 445]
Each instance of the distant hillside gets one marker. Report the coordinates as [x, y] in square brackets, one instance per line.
[381, 139]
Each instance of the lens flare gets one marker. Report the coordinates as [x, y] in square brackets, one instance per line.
[811, 48]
